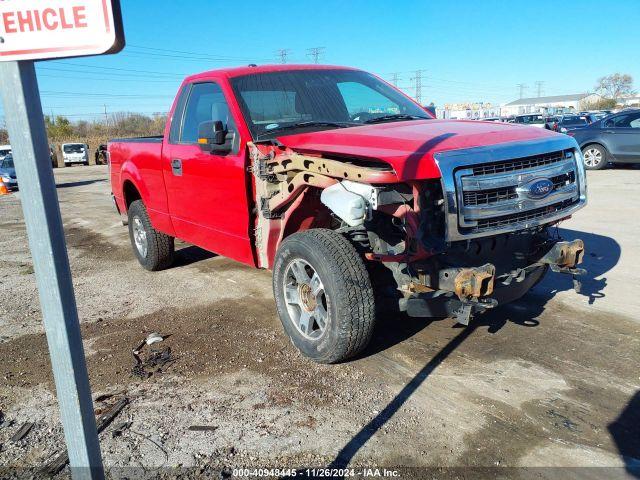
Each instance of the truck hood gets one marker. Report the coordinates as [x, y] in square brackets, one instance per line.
[409, 147]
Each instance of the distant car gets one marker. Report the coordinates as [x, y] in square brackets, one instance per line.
[533, 119]
[595, 116]
[8, 172]
[75, 153]
[615, 139]
[491, 119]
[101, 155]
[564, 123]
[4, 151]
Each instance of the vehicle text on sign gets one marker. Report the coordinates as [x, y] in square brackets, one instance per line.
[39, 29]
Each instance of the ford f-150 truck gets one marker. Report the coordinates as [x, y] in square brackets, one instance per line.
[353, 195]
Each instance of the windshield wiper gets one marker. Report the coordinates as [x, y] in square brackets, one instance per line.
[293, 126]
[397, 116]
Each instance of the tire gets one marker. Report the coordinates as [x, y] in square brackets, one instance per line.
[346, 296]
[159, 250]
[595, 157]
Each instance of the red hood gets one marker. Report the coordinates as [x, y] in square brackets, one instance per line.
[409, 146]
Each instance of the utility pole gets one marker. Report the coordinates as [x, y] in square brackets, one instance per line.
[105, 114]
[539, 85]
[315, 53]
[283, 53]
[521, 88]
[418, 84]
[395, 78]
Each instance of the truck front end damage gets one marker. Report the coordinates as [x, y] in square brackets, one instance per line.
[479, 236]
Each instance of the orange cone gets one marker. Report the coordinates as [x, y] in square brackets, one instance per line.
[3, 188]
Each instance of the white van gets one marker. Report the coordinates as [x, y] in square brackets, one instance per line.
[75, 153]
[4, 151]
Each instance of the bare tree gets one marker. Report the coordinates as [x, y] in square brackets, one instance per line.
[615, 86]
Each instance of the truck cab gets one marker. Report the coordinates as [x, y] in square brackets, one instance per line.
[353, 195]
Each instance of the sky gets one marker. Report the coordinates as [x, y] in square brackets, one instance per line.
[468, 51]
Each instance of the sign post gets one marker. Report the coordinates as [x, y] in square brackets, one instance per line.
[30, 30]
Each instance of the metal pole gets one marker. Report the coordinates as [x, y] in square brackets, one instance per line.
[25, 124]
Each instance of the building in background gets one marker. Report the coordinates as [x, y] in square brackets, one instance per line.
[468, 111]
[548, 105]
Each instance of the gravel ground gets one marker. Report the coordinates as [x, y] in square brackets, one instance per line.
[551, 381]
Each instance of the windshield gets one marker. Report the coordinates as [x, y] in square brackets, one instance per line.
[4, 152]
[7, 162]
[73, 148]
[318, 99]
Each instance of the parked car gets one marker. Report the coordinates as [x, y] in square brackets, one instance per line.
[101, 155]
[75, 153]
[535, 120]
[4, 151]
[615, 139]
[8, 172]
[564, 123]
[595, 116]
[347, 189]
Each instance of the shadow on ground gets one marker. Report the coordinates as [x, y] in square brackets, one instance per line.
[603, 253]
[625, 431]
[80, 183]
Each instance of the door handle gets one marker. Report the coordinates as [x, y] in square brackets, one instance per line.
[176, 167]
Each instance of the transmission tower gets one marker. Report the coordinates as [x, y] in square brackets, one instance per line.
[282, 54]
[539, 85]
[418, 84]
[315, 53]
[521, 88]
[395, 78]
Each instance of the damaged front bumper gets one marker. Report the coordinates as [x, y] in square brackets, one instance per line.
[463, 292]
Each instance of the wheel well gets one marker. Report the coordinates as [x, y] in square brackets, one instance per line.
[131, 193]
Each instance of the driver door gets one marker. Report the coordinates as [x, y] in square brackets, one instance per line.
[207, 192]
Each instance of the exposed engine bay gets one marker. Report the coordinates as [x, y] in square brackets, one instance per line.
[401, 229]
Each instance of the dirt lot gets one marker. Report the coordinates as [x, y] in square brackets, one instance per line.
[550, 381]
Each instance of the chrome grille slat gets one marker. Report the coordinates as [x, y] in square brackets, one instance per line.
[520, 164]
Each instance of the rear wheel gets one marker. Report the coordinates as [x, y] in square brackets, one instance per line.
[153, 249]
[323, 295]
[595, 157]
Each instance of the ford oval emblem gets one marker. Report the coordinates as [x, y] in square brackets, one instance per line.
[540, 188]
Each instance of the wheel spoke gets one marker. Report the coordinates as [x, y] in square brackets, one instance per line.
[320, 314]
[305, 321]
[291, 295]
[316, 285]
[299, 272]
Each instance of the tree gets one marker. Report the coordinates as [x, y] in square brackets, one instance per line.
[599, 104]
[615, 86]
[58, 129]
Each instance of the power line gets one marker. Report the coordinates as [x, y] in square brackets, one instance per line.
[315, 53]
[539, 85]
[282, 54]
[417, 79]
[395, 78]
[521, 88]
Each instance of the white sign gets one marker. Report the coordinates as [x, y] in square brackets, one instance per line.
[38, 29]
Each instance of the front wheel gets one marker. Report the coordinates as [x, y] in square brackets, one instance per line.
[323, 295]
[153, 249]
[595, 157]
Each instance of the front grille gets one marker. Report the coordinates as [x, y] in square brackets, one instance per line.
[498, 195]
[515, 218]
[520, 163]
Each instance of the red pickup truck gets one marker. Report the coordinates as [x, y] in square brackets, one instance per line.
[353, 195]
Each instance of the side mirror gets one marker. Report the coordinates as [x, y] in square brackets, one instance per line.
[213, 136]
